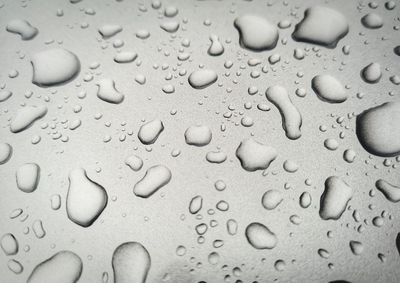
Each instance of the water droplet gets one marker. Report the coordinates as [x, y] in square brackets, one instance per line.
[131, 263]
[134, 162]
[107, 91]
[15, 266]
[38, 229]
[377, 129]
[202, 78]
[216, 48]
[260, 237]
[372, 73]
[232, 227]
[356, 247]
[390, 191]
[256, 33]
[198, 135]
[329, 89]
[195, 204]
[321, 25]
[335, 198]
[305, 200]
[54, 67]
[271, 199]
[28, 176]
[5, 152]
[4, 95]
[9, 244]
[26, 116]
[254, 155]
[149, 132]
[23, 28]
[171, 26]
[109, 30]
[156, 177]
[86, 199]
[291, 117]
[62, 267]
[125, 57]
[372, 21]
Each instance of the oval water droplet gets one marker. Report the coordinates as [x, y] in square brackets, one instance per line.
[260, 237]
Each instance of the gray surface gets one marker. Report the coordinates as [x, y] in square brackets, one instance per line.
[125, 219]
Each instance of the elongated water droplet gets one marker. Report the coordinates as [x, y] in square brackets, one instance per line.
[156, 177]
[202, 78]
[291, 117]
[26, 116]
[149, 132]
[62, 267]
[23, 28]
[390, 191]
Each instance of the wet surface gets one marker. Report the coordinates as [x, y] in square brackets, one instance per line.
[199, 141]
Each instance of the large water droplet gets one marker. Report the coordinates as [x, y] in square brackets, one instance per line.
[54, 66]
[321, 25]
[131, 263]
[254, 155]
[256, 33]
[26, 116]
[86, 199]
[260, 237]
[378, 129]
[63, 267]
[329, 89]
